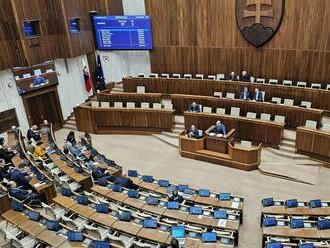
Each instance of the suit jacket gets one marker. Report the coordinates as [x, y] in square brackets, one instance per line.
[257, 97]
[31, 134]
[194, 109]
[247, 95]
[20, 194]
[20, 178]
[234, 78]
[246, 78]
[193, 133]
[5, 155]
[221, 129]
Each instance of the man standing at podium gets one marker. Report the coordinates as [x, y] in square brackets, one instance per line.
[219, 128]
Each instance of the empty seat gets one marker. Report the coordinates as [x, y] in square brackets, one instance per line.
[301, 84]
[260, 80]
[316, 86]
[176, 75]
[326, 127]
[220, 76]
[234, 111]
[221, 111]
[187, 76]
[288, 102]
[311, 124]
[140, 89]
[145, 105]
[273, 81]
[94, 104]
[154, 75]
[199, 76]
[118, 104]
[165, 75]
[105, 104]
[287, 82]
[230, 95]
[217, 94]
[276, 100]
[251, 115]
[130, 104]
[246, 144]
[279, 118]
[207, 110]
[265, 117]
[212, 77]
[168, 106]
[156, 106]
[141, 75]
[306, 104]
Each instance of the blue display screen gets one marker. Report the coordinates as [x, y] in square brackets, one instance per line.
[30, 29]
[123, 32]
[74, 25]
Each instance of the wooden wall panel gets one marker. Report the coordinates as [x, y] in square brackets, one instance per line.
[114, 7]
[201, 36]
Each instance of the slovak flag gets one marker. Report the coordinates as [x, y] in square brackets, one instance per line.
[88, 80]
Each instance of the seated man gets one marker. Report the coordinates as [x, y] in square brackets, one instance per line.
[174, 196]
[27, 196]
[245, 94]
[245, 77]
[101, 176]
[257, 95]
[5, 154]
[219, 128]
[39, 80]
[193, 132]
[21, 179]
[233, 77]
[33, 133]
[194, 108]
[125, 182]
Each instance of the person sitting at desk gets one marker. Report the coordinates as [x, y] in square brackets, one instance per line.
[39, 151]
[257, 95]
[233, 77]
[38, 81]
[21, 179]
[30, 198]
[125, 182]
[5, 154]
[245, 77]
[71, 138]
[245, 94]
[75, 150]
[193, 132]
[219, 128]
[174, 196]
[194, 107]
[33, 133]
[101, 176]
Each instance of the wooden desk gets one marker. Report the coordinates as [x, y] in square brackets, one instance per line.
[199, 220]
[14, 217]
[82, 210]
[158, 210]
[218, 144]
[291, 233]
[154, 235]
[126, 227]
[33, 228]
[48, 190]
[134, 203]
[100, 190]
[230, 225]
[175, 214]
[51, 238]
[256, 130]
[116, 196]
[123, 120]
[68, 244]
[137, 98]
[64, 201]
[274, 210]
[5, 202]
[103, 219]
[314, 143]
[320, 99]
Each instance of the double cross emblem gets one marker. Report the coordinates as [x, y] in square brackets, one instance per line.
[259, 12]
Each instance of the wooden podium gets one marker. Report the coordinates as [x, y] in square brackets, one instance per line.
[220, 150]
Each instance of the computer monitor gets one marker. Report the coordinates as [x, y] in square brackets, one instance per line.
[152, 201]
[224, 196]
[33, 215]
[133, 194]
[132, 173]
[274, 244]
[306, 245]
[66, 192]
[102, 208]
[173, 205]
[150, 223]
[178, 232]
[188, 191]
[53, 225]
[315, 203]
[323, 224]
[75, 236]
[117, 188]
[209, 237]
[82, 199]
[182, 187]
[204, 192]
[196, 210]
[269, 221]
[297, 223]
[267, 202]
[125, 216]
[220, 214]
[101, 244]
[292, 203]
[163, 183]
[148, 179]
[17, 206]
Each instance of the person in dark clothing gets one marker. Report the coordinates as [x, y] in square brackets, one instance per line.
[27, 196]
[5, 154]
[194, 108]
[100, 175]
[71, 138]
[175, 197]
[125, 182]
[33, 133]
[20, 178]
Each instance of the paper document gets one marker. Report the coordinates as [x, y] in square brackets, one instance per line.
[235, 204]
[222, 223]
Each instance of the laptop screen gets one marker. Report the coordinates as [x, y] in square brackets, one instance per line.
[297, 223]
[188, 191]
[117, 188]
[204, 192]
[125, 216]
[220, 214]
[196, 210]
[173, 205]
[269, 221]
[53, 225]
[148, 179]
[82, 199]
[101, 244]
[17, 206]
[178, 232]
[315, 203]
[102, 208]
[208, 237]
[152, 200]
[133, 194]
[75, 236]
[224, 196]
[66, 192]
[163, 183]
[267, 202]
[323, 224]
[132, 173]
[149, 223]
[275, 244]
[306, 245]
[32, 215]
[292, 203]
[182, 187]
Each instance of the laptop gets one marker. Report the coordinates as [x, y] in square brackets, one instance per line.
[53, 225]
[209, 237]
[179, 233]
[152, 201]
[102, 208]
[148, 179]
[224, 196]
[323, 224]
[150, 223]
[133, 194]
[292, 203]
[315, 203]
[269, 221]
[125, 216]
[204, 192]
[173, 205]
[267, 202]
[17, 206]
[117, 188]
[75, 236]
[275, 244]
[220, 214]
[182, 187]
[196, 210]
[66, 192]
[163, 183]
[82, 199]
[132, 173]
[32, 215]
[306, 245]
[297, 223]
[101, 244]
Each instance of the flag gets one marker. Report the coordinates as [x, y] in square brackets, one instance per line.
[100, 82]
[88, 80]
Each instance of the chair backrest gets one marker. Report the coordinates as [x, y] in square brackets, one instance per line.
[235, 111]
[279, 118]
[105, 104]
[263, 95]
[220, 76]
[168, 106]
[199, 76]
[328, 87]
[260, 80]
[301, 84]
[311, 124]
[265, 117]
[156, 106]
[273, 81]
[145, 105]
[287, 82]
[130, 104]
[246, 144]
[217, 94]
[326, 127]
[276, 99]
[118, 104]
[221, 111]
[140, 89]
[251, 115]
[141, 75]
[212, 77]
[316, 86]
[187, 76]
[165, 75]
[176, 75]
[95, 104]
[306, 104]
[288, 102]
[207, 110]
[153, 75]
[230, 95]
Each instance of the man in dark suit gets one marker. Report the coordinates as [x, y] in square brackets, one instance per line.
[21, 179]
[27, 196]
[233, 77]
[257, 95]
[245, 94]
[5, 154]
[194, 108]
[33, 133]
[193, 132]
[245, 77]
[219, 128]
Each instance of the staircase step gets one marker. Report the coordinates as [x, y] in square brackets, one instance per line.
[70, 126]
[171, 135]
[71, 122]
[168, 140]
[286, 154]
[289, 143]
[288, 149]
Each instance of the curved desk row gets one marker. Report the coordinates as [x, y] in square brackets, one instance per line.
[106, 96]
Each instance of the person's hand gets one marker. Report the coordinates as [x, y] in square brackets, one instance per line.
[30, 191]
